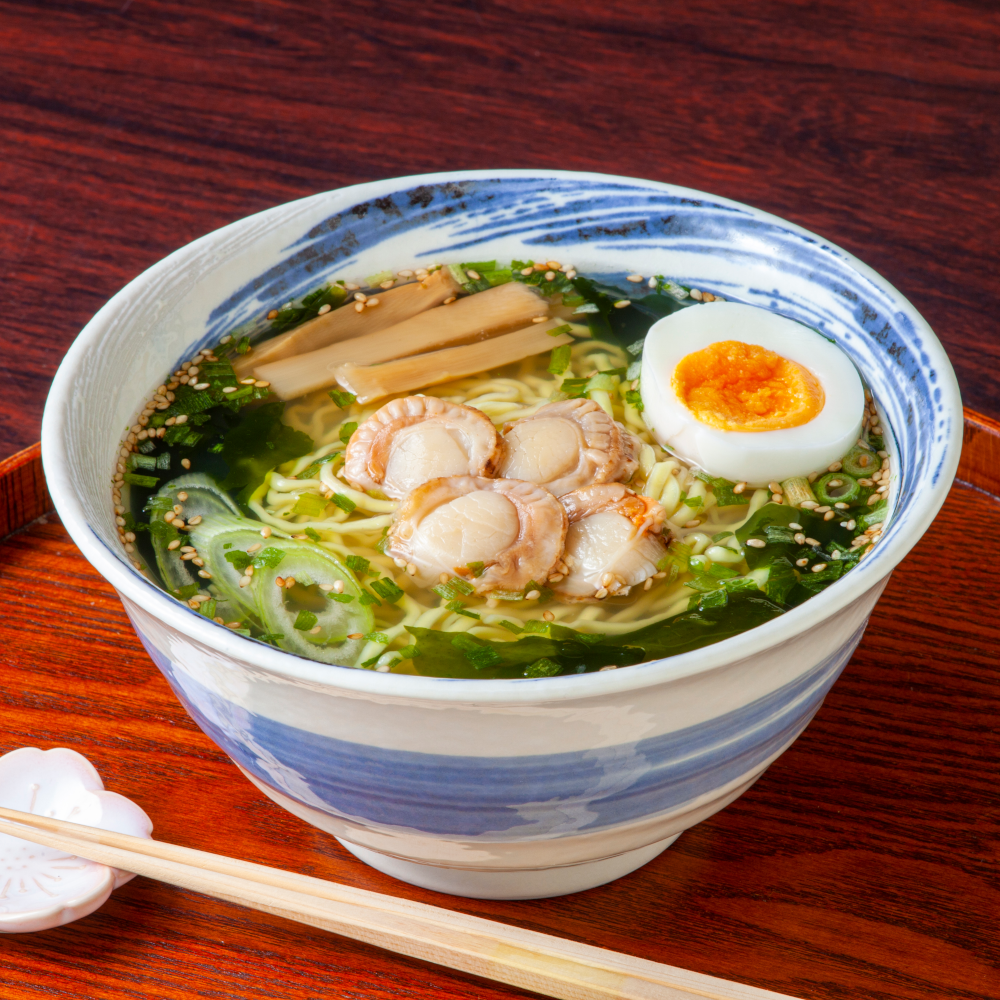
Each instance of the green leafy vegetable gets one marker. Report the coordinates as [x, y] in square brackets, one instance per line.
[239, 559]
[347, 430]
[207, 608]
[634, 398]
[542, 668]
[313, 534]
[476, 568]
[134, 479]
[269, 556]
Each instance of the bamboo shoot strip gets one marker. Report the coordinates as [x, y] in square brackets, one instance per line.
[477, 317]
[370, 382]
[395, 305]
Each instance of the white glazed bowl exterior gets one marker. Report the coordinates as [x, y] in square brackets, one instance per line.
[504, 775]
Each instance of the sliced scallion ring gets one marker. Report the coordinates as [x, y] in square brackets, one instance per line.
[836, 487]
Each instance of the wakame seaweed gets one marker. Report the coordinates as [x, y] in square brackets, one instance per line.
[447, 654]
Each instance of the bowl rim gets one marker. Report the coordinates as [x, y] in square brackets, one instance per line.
[574, 687]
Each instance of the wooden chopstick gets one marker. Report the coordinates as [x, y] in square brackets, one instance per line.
[525, 959]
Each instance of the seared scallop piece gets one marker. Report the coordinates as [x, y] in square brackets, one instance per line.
[614, 542]
[411, 440]
[567, 445]
[447, 526]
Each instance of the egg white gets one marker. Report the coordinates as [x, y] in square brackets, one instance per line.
[754, 457]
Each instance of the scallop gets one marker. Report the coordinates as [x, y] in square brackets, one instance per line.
[614, 541]
[447, 526]
[566, 446]
[411, 440]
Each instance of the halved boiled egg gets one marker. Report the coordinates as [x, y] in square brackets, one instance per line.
[749, 395]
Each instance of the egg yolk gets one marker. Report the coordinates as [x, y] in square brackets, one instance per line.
[743, 387]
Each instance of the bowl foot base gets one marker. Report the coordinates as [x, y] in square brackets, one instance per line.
[536, 883]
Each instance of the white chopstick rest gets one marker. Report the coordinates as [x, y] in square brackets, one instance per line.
[41, 887]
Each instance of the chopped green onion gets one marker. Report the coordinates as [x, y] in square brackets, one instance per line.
[207, 608]
[243, 346]
[559, 361]
[511, 627]
[542, 668]
[369, 600]
[377, 637]
[345, 503]
[134, 479]
[387, 590]
[313, 534]
[357, 565]
[305, 621]
[310, 504]
[341, 398]
[340, 598]
[476, 568]
[558, 331]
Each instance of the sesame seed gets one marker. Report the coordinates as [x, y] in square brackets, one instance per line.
[811, 541]
[129, 536]
[359, 307]
[548, 616]
[532, 595]
[527, 270]
[254, 547]
[707, 297]
[261, 384]
[819, 567]
[356, 635]
[550, 275]
[802, 562]
[775, 487]
[324, 309]
[636, 278]
[411, 568]
[648, 584]
[193, 370]
[571, 274]
[795, 527]
[651, 283]
[204, 573]
[273, 314]
[739, 488]
[289, 582]
[553, 265]
[835, 483]
[279, 581]
[882, 454]
[812, 477]
[829, 515]
[838, 555]
[659, 575]
[266, 531]
[350, 286]
[474, 275]
[186, 463]
[120, 521]
[695, 294]
[622, 303]
[692, 524]
[874, 499]
[371, 303]
[809, 504]
[387, 284]
[229, 388]
[850, 525]
[756, 543]
[199, 387]
[244, 581]
[168, 517]
[448, 301]
[841, 506]
[556, 577]
[539, 319]
[601, 594]
[316, 629]
[338, 586]
[800, 539]
[776, 498]
[129, 547]
[360, 297]
[188, 548]
[194, 520]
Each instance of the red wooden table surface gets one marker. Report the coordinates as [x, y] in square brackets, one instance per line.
[864, 863]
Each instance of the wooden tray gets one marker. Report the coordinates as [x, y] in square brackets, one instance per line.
[862, 865]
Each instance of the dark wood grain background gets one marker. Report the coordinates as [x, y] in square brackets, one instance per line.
[863, 865]
[128, 128]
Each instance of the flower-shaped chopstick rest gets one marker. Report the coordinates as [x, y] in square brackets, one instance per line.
[41, 887]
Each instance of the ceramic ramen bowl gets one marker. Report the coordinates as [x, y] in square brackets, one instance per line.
[502, 788]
